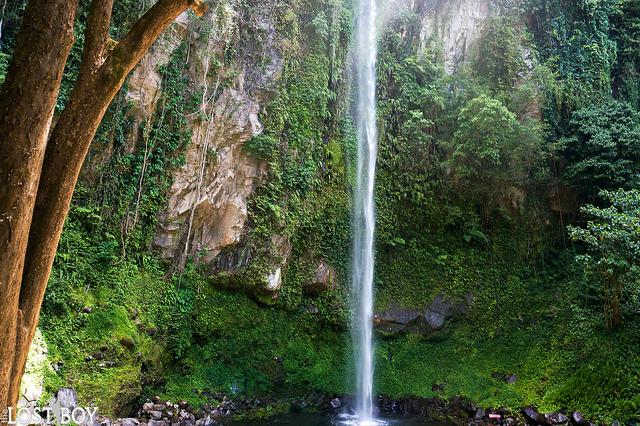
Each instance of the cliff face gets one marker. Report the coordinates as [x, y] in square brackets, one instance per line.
[457, 24]
[206, 210]
[207, 201]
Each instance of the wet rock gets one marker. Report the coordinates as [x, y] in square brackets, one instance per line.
[156, 399]
[88, 358]
[533, 416]
[578, 419]
[336, 403]
[153, 422]
[87, 310]
[160, 407]
[556, 418]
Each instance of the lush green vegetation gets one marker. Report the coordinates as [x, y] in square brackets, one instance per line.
[470, 166]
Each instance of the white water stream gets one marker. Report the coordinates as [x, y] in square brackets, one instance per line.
[364, 209]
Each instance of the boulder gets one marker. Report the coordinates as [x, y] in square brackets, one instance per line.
[128, 421]
[336, 403]
[324, 278]
[578, 419]
[556, 418]
[127, 342]
[479, 414]
[533, 416]
[425, 321]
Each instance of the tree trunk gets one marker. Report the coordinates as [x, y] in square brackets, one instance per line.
[27, 103]
[99, 81]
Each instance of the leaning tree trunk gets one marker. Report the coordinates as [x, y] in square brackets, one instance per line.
[27, 102]
[102, 73]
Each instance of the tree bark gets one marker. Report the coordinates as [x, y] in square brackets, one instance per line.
[27, 103]
[98, 83]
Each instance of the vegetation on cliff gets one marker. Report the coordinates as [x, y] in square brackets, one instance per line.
[508, 186]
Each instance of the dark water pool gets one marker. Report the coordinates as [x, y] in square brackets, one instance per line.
[318, 420]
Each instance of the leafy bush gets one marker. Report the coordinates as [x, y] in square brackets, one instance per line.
[612, 239]
[603, 148]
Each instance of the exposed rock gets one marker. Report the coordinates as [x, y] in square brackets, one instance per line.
[510, 378]
[556, 418]
[32, 385]
[426, 321]
[207, 206]
[533, 416]
[127, 342]
[578, 419]
[87, 310]
[458, 25]
[324, 278]
[479, 414]
[274, 280]
[336, 403]
[129, 421]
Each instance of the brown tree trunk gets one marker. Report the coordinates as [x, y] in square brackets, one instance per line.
[27, 103]
[102, 74]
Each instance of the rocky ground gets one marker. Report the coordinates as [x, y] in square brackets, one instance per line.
[456, 411]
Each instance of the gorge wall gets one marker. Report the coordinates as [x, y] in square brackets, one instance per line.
[207, 252]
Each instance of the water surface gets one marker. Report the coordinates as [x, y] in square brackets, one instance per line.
[318, 420]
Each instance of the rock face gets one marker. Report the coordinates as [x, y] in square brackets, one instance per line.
[457, 24]
[324, 278]
[208, 198]
[422, 321]
[206, 210]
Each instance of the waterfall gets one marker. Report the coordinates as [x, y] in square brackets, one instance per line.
[364, 208]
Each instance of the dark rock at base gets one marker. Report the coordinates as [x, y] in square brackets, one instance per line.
[159, 407]
[87, 310]
[151, 331]
[98, 355]
[533, 416]
[556, 418]
[127, 342]
[479, 414]
[88, 358]
[336, 403]
[578, 419]
[157, 423]
[156, 399]
[183, 404]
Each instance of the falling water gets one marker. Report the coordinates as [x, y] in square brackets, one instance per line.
[364, 208]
